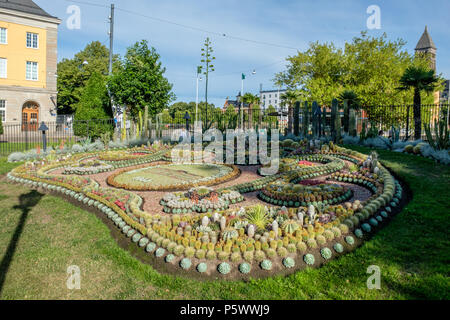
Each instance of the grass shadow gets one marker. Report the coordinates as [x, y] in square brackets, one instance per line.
[26, 202]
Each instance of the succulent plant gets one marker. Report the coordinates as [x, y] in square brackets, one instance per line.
[185, 263]
[160, 252]
[205, 221]
[229, 234]
[223, 223]
[290, 226]
[251, 231]
[244, 268]
[366, 227]
[150, 247]
[326, 253]
[350, 240]
[359, 233]
[338, 248]
[224, 268]
[266, 265]
[288, 262]
[202, 267]
[170, 258]
[309, 259]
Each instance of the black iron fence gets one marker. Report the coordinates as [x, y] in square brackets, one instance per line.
[402, 117]
[26, 136]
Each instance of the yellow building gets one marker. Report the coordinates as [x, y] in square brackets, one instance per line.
[28, 62]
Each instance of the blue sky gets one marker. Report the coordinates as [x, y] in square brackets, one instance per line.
[288, 23]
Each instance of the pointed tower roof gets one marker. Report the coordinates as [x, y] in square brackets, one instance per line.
[425, 41]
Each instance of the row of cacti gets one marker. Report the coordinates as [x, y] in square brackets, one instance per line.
[160, 233]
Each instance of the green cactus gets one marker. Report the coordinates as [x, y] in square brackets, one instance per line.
[363, 133]
[441, 140]
[305, 119]
[139, 126]
[352, 123]
[326, 253]
[395, 134]
[124, 127]
[296, 118]
[145, 127]
[224, 268]
[266, 265]
[244, 268]
[336, 119]
[315, 119]
[309, 259]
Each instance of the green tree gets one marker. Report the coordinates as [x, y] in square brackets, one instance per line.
[317, 74]
[369, 66]
[207, 59]
[289, 98]
[419, 79]
[93, 112]
[141, 81]
[251, 100]
[272, 120]
[353, 102]
[73, 74]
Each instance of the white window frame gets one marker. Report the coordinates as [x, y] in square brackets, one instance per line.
[32, 63]
[4, 110]
[32, 40]
[6, 35]
[5, 76]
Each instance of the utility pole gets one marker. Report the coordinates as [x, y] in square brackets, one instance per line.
[111, 38]
[111, 47]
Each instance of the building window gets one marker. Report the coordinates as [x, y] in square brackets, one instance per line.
[32, 70]
[3, 68]
[3, 36]
[32, 40]
[3, 110]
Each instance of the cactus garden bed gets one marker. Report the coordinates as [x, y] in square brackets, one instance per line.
[304, 217]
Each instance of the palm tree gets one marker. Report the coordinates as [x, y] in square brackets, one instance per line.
[250, 99]
[353, 102]
[420, 79]
[289, 98]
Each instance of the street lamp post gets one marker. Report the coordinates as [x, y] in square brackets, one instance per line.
[241, 111]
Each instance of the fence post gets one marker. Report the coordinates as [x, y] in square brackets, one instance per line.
[296, 118]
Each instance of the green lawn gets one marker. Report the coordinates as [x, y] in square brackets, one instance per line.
[48, 235]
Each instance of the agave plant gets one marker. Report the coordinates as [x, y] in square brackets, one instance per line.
[259, 216]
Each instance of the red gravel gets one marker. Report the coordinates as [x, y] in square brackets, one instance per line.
[248, 174]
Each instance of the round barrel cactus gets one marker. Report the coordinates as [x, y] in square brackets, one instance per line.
[202, 267]
[244, 268]
[309, 259]
[185, 263]
[288, 262]
[224, 268]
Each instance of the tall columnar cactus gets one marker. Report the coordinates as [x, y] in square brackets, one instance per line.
[324, 120]
[442, 138]
[352, 123]
[139, 126]
[124, 127]
[346, 117]
[145, 128]
[395, 134]
[150, 130]
[316, 119]
[363, 134]
[296, 118]
[336, 118]
[305, 119]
